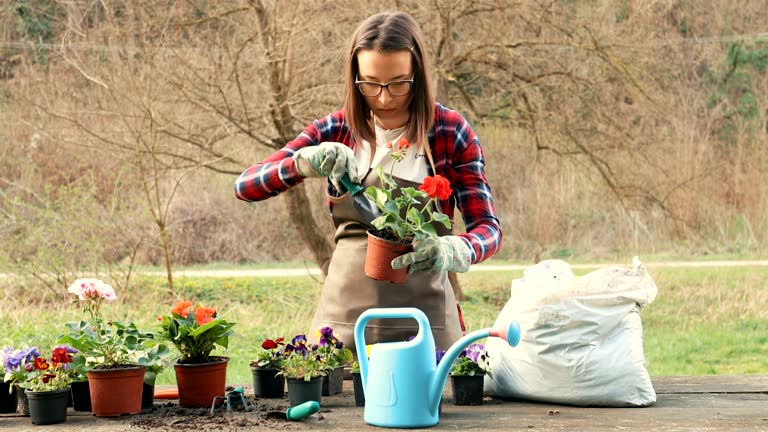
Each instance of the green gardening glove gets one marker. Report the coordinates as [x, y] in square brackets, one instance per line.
[329, 159]
[437, 254]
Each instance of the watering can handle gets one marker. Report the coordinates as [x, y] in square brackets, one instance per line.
[378, 313]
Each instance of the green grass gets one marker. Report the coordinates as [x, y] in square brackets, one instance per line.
[704, 320]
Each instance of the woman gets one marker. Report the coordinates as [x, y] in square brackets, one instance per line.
[388, 96]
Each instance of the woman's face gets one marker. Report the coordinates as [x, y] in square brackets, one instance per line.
[383, 67]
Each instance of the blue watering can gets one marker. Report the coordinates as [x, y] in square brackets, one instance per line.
[401, 383]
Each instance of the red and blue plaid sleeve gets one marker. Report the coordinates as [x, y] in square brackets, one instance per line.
[466, 171]
[278, 172]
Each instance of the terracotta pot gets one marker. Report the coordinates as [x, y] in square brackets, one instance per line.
[199, 383]
[378, 259]
[467, 390]
[115, 392]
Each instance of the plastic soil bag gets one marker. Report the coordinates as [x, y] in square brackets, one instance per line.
[582, 341]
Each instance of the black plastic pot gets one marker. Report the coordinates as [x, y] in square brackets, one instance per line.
[147, 396]
[300, 391]
[357, 380]
[22, 406]
[333, 382]
[48, 407]
[266, 383]
[8, 401]
[81, 396]
[467, 390]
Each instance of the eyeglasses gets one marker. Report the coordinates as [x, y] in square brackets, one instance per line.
[395, 88]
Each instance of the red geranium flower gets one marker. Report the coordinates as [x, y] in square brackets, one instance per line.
[204, 315]
[437, 187]
[182, 308]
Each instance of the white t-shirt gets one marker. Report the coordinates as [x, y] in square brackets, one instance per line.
[413, 167]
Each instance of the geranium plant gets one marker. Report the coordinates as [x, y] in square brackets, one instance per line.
[19, 365]
[101, 343]
[404, 218]
[472, 361]
[53, 374]
[270, 356]
[195, 331]
[332, 349]
[302, 361]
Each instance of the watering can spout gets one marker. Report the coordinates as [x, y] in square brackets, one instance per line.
[511, 334]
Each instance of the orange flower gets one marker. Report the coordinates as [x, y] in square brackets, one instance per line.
[182, 308]
[204, 315]
[437, 187]
[389, 144]
[41, 364]
[403, 144]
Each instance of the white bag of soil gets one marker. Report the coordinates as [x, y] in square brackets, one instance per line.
[582, 339]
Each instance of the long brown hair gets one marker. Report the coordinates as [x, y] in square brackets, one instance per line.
[388, 32]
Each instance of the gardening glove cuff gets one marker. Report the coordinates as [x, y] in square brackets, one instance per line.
[437, 254]
[329, 159]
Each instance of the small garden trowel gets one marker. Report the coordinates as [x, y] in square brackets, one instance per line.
[296, 413]
[368, 210]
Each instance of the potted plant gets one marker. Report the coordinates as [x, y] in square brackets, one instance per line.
[195, 331]
[303, 368]
[154, 359]
[404, 218]
[336, 356]
[19, 369]
[48, 388]
[266, 381]
[81, 392]
[468, 374]
[110, 350]
[8, 401]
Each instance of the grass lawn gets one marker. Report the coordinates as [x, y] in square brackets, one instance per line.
[704, 320]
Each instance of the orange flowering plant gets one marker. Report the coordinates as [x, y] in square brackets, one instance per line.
[407, 213]
[195, 331]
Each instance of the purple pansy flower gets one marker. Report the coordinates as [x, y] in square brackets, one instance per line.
[473, 351]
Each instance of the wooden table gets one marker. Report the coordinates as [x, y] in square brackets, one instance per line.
[700, 403]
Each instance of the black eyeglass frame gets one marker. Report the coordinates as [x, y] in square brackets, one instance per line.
[383, 86]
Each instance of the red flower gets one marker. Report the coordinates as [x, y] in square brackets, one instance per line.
[182, 308]
[204, 315]
[60, 355]
[47, 377]
[272, 344]
[41, 364]
[403, 144]
[437, 187]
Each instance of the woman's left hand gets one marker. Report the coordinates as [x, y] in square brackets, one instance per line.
[437, 254]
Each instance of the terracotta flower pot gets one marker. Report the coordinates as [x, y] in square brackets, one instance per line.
[378, 259]
[199, 383]
[115, 392]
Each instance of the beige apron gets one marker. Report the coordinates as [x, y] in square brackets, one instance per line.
[348, 292]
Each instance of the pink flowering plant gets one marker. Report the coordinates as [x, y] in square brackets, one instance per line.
[472, 361]
[102, 343]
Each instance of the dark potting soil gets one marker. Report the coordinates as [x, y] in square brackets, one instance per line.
[170, 416]
[388, 235]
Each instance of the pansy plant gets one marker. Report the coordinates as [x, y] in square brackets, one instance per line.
[473, 360]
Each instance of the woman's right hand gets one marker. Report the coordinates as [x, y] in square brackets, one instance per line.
[329, 159]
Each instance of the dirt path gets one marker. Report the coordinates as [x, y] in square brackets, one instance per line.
[477, 268]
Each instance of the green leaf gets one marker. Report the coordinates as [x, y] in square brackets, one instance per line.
[442, 218]
[429, 230]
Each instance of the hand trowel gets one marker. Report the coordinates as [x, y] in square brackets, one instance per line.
[368, 210]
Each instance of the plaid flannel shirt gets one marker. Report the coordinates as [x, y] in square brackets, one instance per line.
[457, 156]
